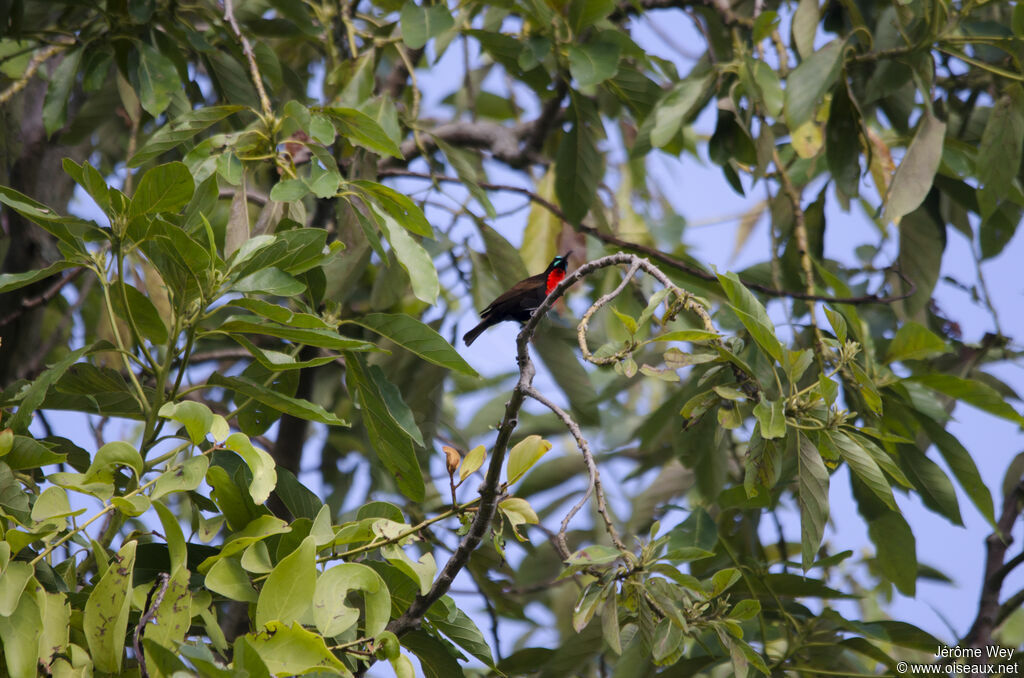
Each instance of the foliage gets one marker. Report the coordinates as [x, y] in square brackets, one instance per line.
[259, 269]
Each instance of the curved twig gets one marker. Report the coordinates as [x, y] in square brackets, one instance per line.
[594, 487]
[254, 69]
[149, 610]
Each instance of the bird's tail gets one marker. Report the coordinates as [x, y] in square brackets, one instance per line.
[470, 337]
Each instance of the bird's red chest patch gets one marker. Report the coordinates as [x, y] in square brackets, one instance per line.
[556, 276]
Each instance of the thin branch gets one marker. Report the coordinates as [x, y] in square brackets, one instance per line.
[996, 544]
[28, 303]
[38, 59]
[153, 603]
[657, 255]
[490, 489]
[804, 250]
[396, 81]
[33, 366]
[594, 486]
[254, 70]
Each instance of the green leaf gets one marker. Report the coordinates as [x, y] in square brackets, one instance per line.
[436, 659]
[420, 24]
[196, 417]
[16, 576]
[864, 467]
[177, 554]
[897, 554]
[932, 483]
[139, 311]
[280, 314]
[323, 338]
[524, 455]
[182, 129]
[51, 505]
[415, 337]
[183, 478]
[687, 335]
[289, 190]
[164, 188]
[974, 393]
[771, 416]
[842, 140]
[587, 605]
[962, 464]
[391, 444]
[89, 178]
[292, 650]
[594, 62]
[173, 616]
[297, 407]
[421, 571]
[586, 13]
[275, 361]
[261, 465]
[55, 105]
[36, 393]
[805, 27]
[362, 130]
[922, 242]
[595, 554]
[158, 80]
[412, 256]
[913, 178]
[473, 460]
[13, 281]
[914, 341]
[28, 453]
[677, 106]
[20, 635]
[459, 627]
[694, 538]
[770, 88]
[1000, 149]
[405, 211]
[752, 314]
[722, 580]
[578, 161]
[288, 591]
[812, 498]
[396, 406]
[333, 615]
[807, 84]
[999, 227]
[105, 617]
[270, 281]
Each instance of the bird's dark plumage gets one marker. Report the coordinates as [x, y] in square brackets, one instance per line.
[522, 299]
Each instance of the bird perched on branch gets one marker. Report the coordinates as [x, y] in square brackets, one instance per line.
[522, 299]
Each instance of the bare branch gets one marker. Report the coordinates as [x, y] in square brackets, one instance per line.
[38, 59]
[980, 634]
[594, 487]
[507, 144]
[489, 490]
[153, 601]
[49, 293]
[254, 70]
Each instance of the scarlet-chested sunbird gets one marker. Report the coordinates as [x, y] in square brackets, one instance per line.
[519, 302]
